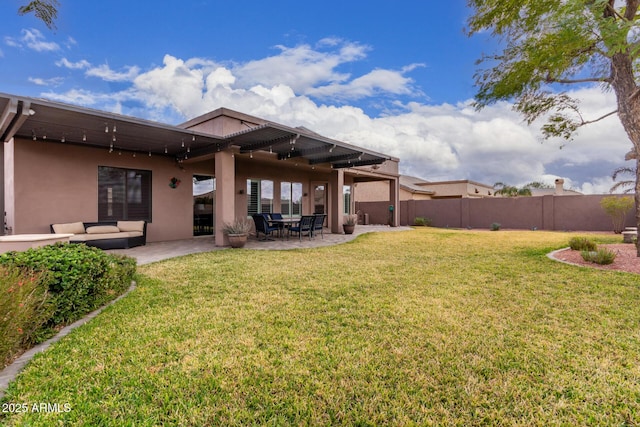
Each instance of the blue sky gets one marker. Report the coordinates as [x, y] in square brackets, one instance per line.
[396, 77]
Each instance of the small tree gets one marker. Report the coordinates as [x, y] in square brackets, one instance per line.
[617, 208]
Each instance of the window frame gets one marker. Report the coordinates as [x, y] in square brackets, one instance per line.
[260, 186]
[293, 209]
[128, 192]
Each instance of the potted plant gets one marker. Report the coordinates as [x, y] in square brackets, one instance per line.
[237, 232]
[349, 223]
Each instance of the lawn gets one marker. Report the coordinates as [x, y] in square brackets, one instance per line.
[424, 327]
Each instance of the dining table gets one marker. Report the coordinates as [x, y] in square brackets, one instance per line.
[284, 223]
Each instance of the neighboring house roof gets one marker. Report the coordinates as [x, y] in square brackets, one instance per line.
[413, 185]
[420, 186]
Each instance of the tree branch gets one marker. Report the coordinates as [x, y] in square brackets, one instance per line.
[550, 79]
[588, 122]
[631, 9]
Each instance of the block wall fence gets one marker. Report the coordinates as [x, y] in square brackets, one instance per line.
[559, 213]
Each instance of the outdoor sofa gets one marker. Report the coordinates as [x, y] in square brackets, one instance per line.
[105, 234]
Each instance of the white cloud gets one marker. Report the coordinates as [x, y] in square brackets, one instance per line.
[55, 81]
[34, 40]
[71, 42]
[104, 72]
[79, 65]
[377, 81]
[435, 142]
[302, 68]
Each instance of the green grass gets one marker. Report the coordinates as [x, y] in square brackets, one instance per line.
[426, 327]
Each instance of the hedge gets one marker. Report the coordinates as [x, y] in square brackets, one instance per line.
[50, 286]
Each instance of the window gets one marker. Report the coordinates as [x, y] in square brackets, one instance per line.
[291, 198]
[346, 193]
[124, 194]
[259, 196]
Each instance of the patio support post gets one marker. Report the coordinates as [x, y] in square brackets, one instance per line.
[394, 200]
[336, 202]
[2, 177]
[225, 193]
[8, 180]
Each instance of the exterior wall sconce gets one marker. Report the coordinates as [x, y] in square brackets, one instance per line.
[241, 191]
[174, 182]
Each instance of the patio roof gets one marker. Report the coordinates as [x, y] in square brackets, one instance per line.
[58, 122]
[289, 143]
[42, 119]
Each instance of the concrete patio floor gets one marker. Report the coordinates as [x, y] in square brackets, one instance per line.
[158, 251]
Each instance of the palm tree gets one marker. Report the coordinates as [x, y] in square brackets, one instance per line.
[511, 191]
[627, 186]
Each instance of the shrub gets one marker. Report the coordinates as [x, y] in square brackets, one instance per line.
[495, 226]
[80, 278]
[601, 256]
[617, 208]
[422, 221]
[582, 244]
[24, 307]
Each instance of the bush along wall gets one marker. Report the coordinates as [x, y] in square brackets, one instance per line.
[53, 286]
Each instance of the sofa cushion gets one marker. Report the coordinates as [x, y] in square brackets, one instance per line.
[102, 229]
[69, 228]
[104, 236]
[131, 226]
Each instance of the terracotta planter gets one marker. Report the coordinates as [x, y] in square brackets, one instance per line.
[237, 240]
[348, 229]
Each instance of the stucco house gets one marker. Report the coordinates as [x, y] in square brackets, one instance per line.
[64, 163]
[414, 188]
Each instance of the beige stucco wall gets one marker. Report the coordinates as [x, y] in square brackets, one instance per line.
[378, 191]
[375, 191]
[58, 183]
[462, 189]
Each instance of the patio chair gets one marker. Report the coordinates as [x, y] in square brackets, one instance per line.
[262, 226]
[280, 225]
[305, 225]
[318, 224]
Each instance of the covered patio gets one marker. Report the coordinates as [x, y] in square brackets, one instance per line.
[53, 154]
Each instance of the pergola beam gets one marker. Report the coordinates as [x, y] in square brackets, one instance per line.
[337, 158]
[358, 163]
[303, 153]
[262, 145]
